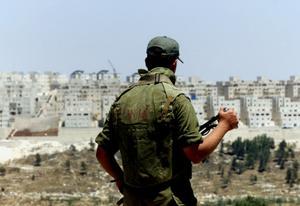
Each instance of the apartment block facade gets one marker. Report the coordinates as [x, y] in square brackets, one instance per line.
[84, 99]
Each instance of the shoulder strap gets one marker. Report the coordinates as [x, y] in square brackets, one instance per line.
[171, 92]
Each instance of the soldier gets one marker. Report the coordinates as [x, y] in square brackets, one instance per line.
[154, 126]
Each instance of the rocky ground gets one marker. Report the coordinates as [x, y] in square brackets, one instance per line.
[75, 178]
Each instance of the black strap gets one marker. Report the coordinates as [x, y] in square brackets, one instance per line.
[154, 79]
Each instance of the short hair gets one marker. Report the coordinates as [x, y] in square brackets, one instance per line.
[154, 59]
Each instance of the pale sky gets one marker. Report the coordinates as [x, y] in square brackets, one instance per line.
[218, 38]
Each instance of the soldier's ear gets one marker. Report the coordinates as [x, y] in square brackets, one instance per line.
[173, 65]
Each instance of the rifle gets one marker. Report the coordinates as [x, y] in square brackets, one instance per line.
[207, 126]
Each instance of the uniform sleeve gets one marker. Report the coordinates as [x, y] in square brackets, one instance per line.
[105, 138]
[186, 122]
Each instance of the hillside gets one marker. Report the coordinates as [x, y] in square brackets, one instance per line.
[75, 178]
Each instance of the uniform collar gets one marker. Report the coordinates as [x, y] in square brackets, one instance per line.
[159, 70]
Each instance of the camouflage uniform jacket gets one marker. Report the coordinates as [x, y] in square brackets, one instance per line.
[150, 123]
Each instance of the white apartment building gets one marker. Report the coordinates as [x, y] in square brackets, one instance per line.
[200, 105]
[79, 75]
[106, 76]
[257, 112]
[11, 76]
[4, 110]
[216, 102]
[180, 80]
[48, 105]
[78, 114]
[21, 98]
[286, 112]
[40, 81]
[23, 90]
[235, 88]
[84, 99]
[107, 101]
[195, 88]
[271, 88]
[133, 78]
[293, 87]
[262, 87]
[199, 90]
[4, 115]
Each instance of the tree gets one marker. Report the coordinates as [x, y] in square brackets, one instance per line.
[38, 160]
[291, 153]
[290, 176]
[83, 169]
[2, 170]
[250, 161]
[280, 153]
[282, 164]
[296, 168]
[238, 148]
[262, 164]
[296, 165]
[92, 146]
[68, 166]
[233, 164]
[221, 168]
[292, 173]
[237, 166]
[263, 144]
[72, 148]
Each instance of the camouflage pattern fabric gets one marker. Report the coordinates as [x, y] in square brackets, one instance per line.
[150, 123]
[162, 198]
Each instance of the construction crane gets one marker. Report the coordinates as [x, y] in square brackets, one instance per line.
[50, 100]
[114, 69]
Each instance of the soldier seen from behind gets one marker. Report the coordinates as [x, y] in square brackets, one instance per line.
[154, 126]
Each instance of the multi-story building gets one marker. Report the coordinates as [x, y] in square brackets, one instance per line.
[106, 102]
[200, 105]
[293, 87]
[235, 88]
[84, 99]
[215, 103]
[262, 87]
[21, 98]
[257, 112]
[78, 114]
[271, 88]
[133, 78]
[4, 113]
[195, 88]
[286, 112]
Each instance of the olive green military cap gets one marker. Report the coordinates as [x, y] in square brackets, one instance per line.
[163, 46]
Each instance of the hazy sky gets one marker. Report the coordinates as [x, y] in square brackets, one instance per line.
[218, 38]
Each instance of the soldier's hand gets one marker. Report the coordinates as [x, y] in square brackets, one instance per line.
[228, 117]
